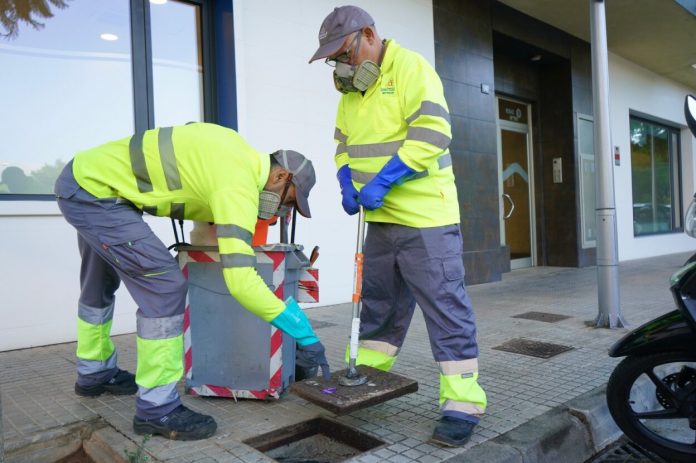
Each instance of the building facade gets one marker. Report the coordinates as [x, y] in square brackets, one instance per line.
[517, 79]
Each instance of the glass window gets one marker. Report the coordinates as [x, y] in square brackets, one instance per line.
[655, 177]
[177, 65]
[587, 181]
[66, 85]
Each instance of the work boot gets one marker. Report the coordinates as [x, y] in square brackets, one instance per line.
[305, 372]
[179, 424]
[452, 432]
[121, 384]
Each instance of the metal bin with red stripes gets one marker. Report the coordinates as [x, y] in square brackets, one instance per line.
[228, 351]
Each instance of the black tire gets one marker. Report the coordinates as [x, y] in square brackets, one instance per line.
[618, 399]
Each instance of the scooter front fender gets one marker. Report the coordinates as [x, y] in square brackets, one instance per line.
[668, 332]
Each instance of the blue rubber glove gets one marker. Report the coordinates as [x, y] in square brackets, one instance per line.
[312, 356]
[394, 172]
[348, 191]
[294, 322]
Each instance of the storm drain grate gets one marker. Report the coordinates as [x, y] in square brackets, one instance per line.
[625, 452]
[317, 325]
[544, 350]
[542, 316]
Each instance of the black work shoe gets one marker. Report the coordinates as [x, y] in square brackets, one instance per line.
[452, 432]
[121, 384]
[179, 424]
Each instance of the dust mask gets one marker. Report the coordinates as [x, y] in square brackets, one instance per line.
[358, 78]
[269, 203]
[349, 78]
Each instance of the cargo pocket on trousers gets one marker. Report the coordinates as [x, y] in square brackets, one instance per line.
[142, 256]
[453, 268]
[452, 284]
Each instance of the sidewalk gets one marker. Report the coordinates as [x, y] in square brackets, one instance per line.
[538, 408]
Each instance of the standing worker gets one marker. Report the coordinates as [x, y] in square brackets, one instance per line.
[201, 172]
[393, 133]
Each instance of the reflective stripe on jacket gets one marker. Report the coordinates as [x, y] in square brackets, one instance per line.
[201, 172]
[403, 112]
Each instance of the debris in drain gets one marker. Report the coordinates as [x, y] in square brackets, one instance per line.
[329, 390]
[314, 449]
[320, 440]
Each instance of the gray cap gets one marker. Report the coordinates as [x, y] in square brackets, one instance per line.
[303, 176]
[343, 20]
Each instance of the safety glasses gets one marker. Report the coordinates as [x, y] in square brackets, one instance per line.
[345, 56]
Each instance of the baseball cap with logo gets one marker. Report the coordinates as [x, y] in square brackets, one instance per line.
[343, 20]
[303, 177]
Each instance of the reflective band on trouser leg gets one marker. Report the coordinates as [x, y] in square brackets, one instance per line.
[460, 393]
[93, 330]
[160, 364]
[95, 351]
[375, 354]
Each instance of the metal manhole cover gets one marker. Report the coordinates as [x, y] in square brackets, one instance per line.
[625, 452]
[544, 350]
[317, 325]
[542, 316]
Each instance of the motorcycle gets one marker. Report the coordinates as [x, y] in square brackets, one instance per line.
[651, 393]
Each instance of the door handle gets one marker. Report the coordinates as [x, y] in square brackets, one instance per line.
[512, 206]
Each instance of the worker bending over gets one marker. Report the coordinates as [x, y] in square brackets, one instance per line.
[201, 172]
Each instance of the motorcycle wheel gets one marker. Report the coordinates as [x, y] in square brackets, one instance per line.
[652, 398]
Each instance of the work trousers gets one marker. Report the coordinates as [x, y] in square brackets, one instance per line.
[117, 245]
[405, 265]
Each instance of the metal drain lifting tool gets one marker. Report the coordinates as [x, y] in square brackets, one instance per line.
[352, 377]
[382, 385]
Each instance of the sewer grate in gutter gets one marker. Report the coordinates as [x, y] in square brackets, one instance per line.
[542, 316]
[625, 451]
[544, 350]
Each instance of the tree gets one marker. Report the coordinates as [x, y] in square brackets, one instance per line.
[13, 12]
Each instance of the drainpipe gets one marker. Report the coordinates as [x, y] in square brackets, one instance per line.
[609, 315]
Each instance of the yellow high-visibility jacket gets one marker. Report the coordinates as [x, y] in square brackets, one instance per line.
[403, 112]
[201, 172]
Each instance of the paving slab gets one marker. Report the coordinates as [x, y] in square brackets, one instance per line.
[524, 393]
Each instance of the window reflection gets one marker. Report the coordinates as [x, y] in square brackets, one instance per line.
[64, 88]
[654, 175]
[177, 63]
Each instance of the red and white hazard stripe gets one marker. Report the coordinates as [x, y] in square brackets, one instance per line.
[308, 285]
[276, 352]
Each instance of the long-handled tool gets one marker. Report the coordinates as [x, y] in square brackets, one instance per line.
[383, 385]
[352, 377]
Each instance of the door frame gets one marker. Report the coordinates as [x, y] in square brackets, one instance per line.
[526, 129]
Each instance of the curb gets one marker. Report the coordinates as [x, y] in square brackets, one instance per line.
[106, 445]
[49, 445]
[99, 441]
[572, 433]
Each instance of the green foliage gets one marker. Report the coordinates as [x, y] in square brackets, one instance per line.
[13, 12]
[139, 456]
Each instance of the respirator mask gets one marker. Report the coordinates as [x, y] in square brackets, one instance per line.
[271, 203]
[350, 78]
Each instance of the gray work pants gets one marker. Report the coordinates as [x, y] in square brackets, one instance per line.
[405, 265]
[117, 245]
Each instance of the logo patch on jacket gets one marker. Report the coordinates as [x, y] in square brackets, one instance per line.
[389, 88]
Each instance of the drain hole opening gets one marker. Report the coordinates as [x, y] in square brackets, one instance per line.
[319, 440]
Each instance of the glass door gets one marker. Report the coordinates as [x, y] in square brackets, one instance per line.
[515, 178]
